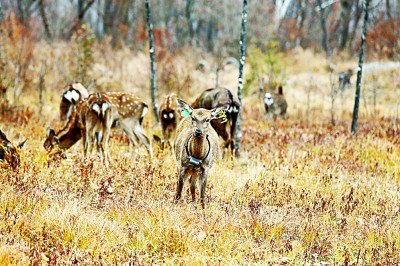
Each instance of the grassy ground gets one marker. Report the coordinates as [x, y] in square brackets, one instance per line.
[303, 191]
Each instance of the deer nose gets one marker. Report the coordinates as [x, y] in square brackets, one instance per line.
[198, 133]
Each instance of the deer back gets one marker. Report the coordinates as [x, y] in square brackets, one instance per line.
[127, 106]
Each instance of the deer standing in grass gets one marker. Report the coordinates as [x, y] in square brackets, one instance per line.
[71, 96]
[169, 116]
[196, 147]
[127, 111]
[9, 153]
[221, 97]
[98, 121]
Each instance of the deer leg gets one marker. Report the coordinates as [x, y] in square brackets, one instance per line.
[179, 187]
[131, 136]
[203, 183]
[143, 138]
[105, 141]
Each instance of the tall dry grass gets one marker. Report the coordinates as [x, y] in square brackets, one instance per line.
[303, 191]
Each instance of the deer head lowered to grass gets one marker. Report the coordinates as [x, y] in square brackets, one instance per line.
[9, 153]
[221, 97]
[127, 111]
[196, 147]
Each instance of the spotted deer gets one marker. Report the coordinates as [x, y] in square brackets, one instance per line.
[169, 116]
[127, 111]
[9, 152]
[275, 104]
[221, 97]
[73, 93]
[196, 147]
[98, 122]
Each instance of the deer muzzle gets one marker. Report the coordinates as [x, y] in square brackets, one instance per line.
[198, 132]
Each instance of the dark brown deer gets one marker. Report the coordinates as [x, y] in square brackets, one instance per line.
[221, 97]
[196, 147]
[169, 116]
[9, 152]
[73, 93]
[128, 112]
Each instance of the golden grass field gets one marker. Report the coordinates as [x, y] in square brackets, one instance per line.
[303, 192]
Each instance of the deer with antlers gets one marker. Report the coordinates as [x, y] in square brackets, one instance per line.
[72, 95]
[221, 97]
[124, 109]
[9, 152]
[169, 116]
[196, 147]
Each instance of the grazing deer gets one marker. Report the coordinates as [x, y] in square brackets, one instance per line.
[169, 116]
[196, 147]
[221, 97]
[275, 104]
[344, 79]
[128, 112]
[72, 95]
[9, 153]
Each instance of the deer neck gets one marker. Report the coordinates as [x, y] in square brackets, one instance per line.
[197, 149]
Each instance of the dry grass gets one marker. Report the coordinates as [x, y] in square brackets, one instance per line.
[303, 192]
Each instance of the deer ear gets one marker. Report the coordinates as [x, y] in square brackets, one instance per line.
[3, 136]
[219, 113]
[21, 145]
[184, 107]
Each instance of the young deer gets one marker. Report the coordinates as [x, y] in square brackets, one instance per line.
[169, 116]
[128, 112]
[71, 96]
[275, 104]
[196, 147]
[221, 97]
[9, 153]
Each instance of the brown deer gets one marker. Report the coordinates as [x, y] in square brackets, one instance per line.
[128, 112]
[98, 122]
[73, 93]
[169, 116]
[196, 147]
[221, 97]
[275, 103]
[9, 153]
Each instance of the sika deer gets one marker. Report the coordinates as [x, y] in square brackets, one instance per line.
[128, 112]
[196, 147]
[169, 116]
[98, 122]
[72, 95]
[9, 153]
[275, 104]
[221, 97]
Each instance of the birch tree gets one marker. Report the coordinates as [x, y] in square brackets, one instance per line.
[152, 64]
[240, 80]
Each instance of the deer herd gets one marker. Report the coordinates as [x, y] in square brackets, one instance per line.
[193, 128]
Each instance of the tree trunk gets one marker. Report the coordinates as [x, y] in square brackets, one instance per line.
[359, 71]
[44, 19]
[324, 30]
[344, 22]
[152, 64]
[358, 11]
[240, 83]
[189, 17]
